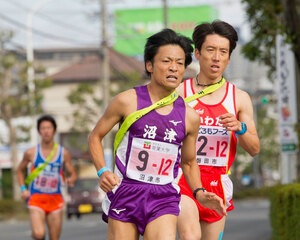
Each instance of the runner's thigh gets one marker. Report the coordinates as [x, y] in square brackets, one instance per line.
[118, 230]
[188, 222]
[161, 228]
[54, 222]
[37, 221]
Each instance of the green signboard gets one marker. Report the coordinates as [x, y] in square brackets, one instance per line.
[289, 147]
[133, 26]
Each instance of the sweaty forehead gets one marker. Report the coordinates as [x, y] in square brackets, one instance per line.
[170, 51]
[215, 40]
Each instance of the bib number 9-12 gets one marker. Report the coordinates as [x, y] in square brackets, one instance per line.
[164, 165]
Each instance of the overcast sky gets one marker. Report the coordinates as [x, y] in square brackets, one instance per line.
[69, 23]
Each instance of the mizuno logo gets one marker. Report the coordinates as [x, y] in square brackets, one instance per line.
[118, 210]
[174, 122]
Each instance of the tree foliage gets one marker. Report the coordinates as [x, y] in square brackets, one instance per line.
[267, 129]
[267, 19]
[87, 101]
[15, 100]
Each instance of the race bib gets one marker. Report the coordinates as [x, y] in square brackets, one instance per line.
[47, 183]
[213, 146]
[152, 161]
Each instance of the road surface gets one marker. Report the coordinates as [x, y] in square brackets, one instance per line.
[249, 221]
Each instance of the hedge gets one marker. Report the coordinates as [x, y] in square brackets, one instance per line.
[285, 212]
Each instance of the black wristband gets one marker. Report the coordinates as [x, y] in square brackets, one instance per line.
[198, 189]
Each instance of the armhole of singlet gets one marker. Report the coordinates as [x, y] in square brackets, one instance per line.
[62, 154]
[36, 153]
[142, 93]
[31, 165]
[234, 103]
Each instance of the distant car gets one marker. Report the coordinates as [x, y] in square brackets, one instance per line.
[85, 197]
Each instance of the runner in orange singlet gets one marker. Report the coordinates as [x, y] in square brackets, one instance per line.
[226, 116]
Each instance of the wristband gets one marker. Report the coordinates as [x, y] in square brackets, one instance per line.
[197, 190]
[244, 129]
[22, 188]
[102, 170]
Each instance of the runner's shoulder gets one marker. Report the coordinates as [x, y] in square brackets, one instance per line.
[180, 89]
[239, 91]
[192, 115]
[241, 95]
[125, 98]
[30, 153]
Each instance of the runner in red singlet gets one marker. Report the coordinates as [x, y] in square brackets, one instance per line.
[226, 116]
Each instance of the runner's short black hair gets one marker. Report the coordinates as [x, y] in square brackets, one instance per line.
[165, 37]
[46, 118]
[221, 28]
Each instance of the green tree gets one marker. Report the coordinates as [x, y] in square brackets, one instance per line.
[88, 104]
[267, 129]
[267, 19]
[15, 100]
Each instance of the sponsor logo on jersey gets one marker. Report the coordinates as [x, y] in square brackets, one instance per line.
[175, 122]
[214, 183]
[117, 211]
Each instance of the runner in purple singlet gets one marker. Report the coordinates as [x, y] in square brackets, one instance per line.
[142, 195]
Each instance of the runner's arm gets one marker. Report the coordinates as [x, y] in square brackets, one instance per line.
[248, 141]
[27, 158]
[190, 167]
[114, 113]
[72, 175]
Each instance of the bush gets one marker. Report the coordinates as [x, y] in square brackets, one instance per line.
[263, 192]
[10, 208]
[285, 212]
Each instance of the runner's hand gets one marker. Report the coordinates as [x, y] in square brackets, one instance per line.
[230, 123]
[70, 182]
[108, 181]
[212, 201]
[25, 194]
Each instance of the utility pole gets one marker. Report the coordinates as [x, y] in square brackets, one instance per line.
[104, 80]
[165, 6]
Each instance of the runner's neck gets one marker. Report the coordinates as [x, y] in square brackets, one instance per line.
[157, 94]
[47, 145]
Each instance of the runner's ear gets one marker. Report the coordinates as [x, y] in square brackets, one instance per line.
[197, 53]
[149, 66]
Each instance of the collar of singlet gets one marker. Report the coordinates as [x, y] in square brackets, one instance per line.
[205, 91]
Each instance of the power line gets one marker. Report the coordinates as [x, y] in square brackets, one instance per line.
[52, 20]
[40, 33]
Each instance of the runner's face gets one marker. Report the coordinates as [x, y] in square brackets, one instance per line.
[213, 57]
[168, 66]
[46, 131]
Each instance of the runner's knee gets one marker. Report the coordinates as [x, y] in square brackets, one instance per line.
[189, 235]
[38, 235]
